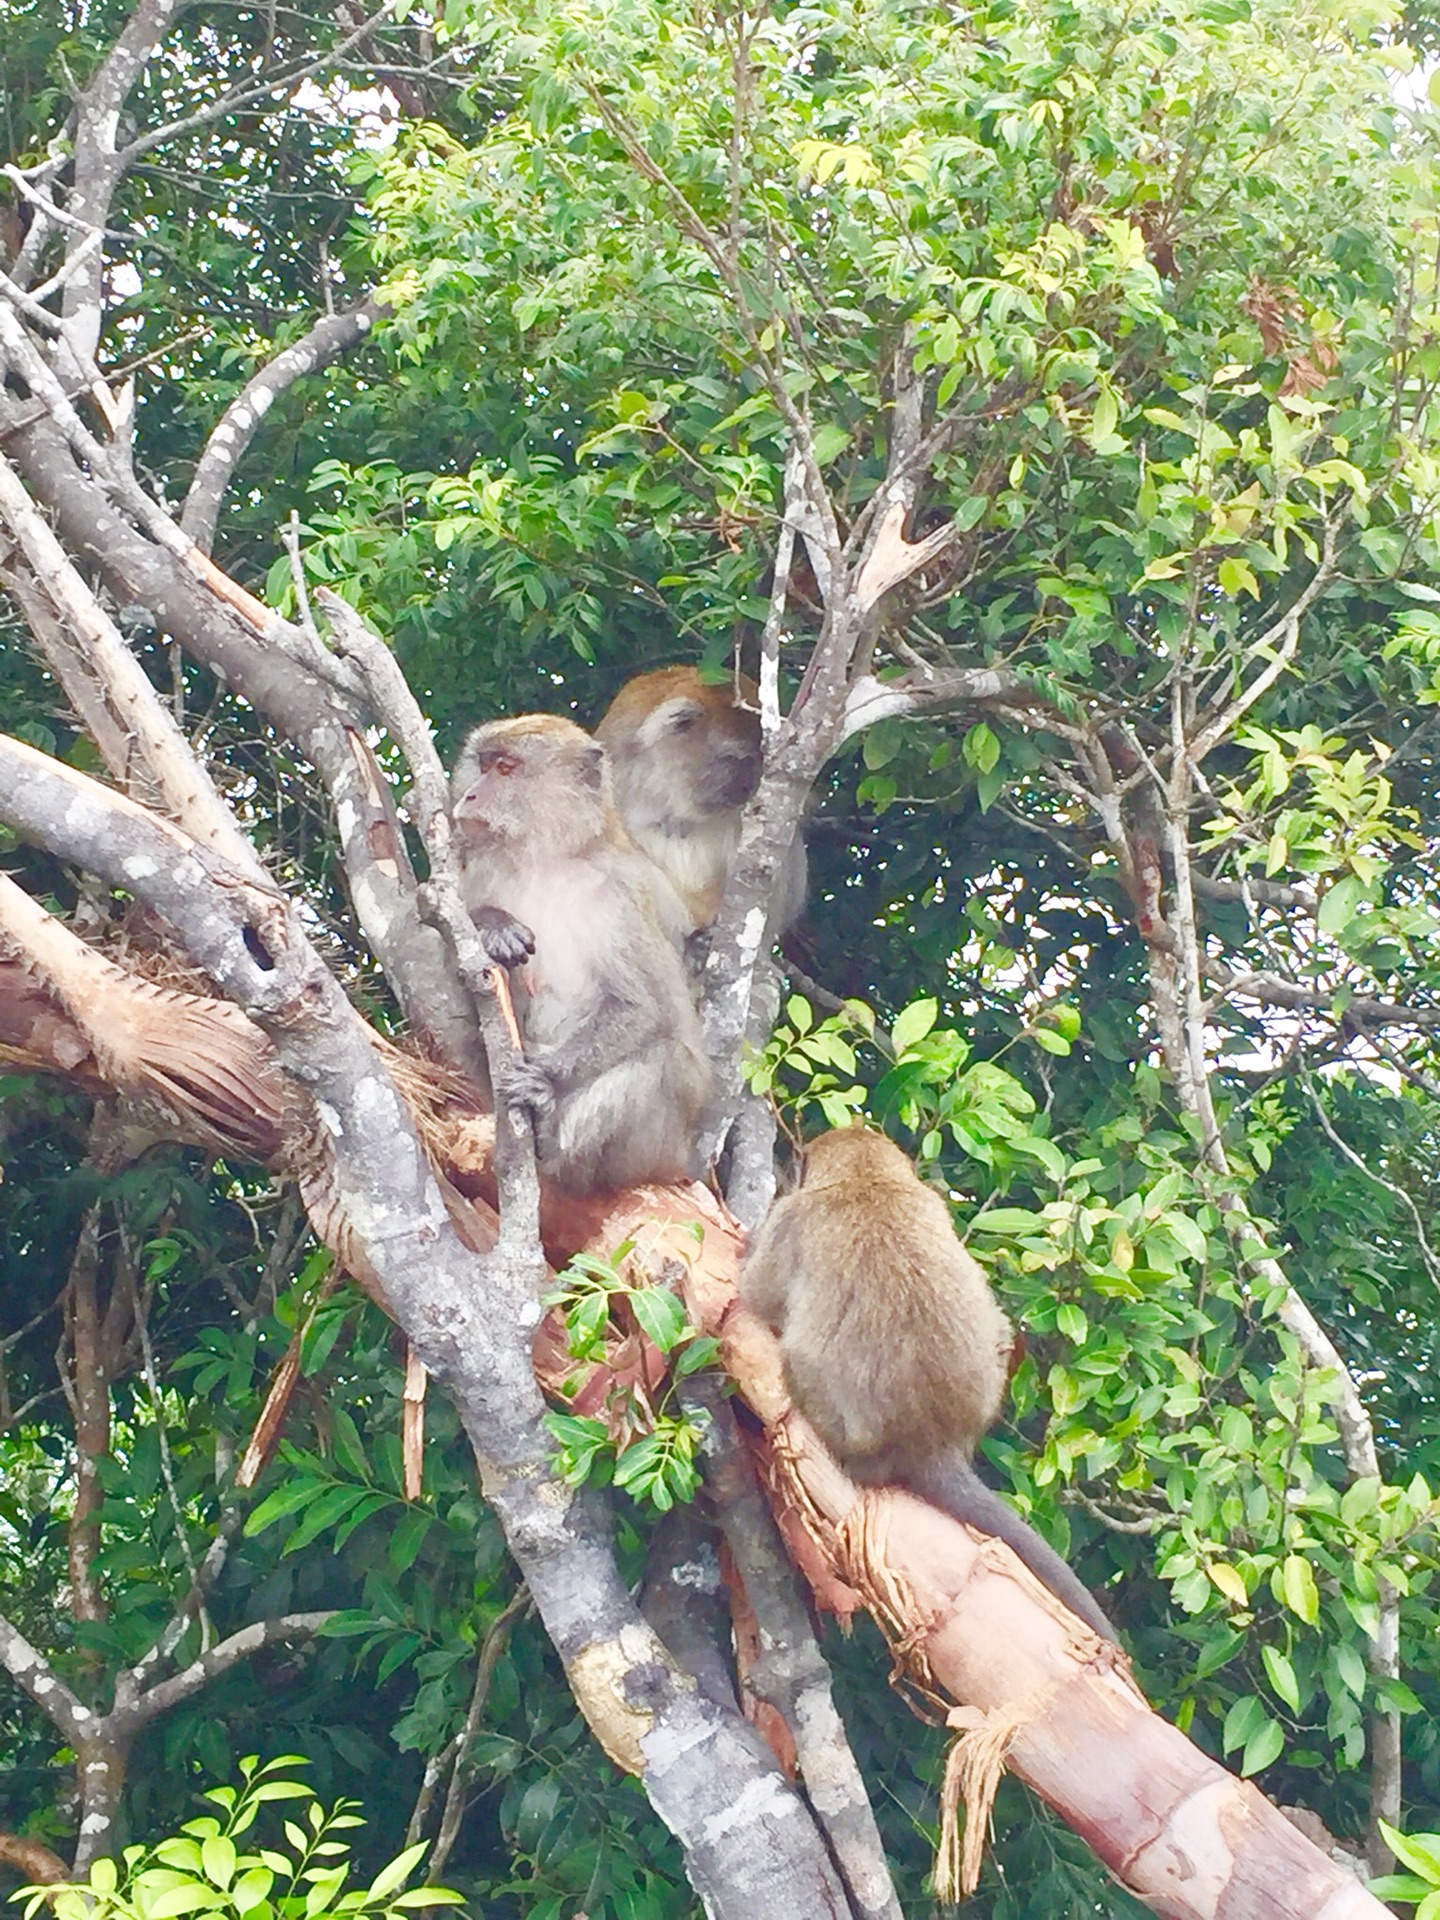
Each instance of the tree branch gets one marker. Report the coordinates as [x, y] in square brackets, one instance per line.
[228, 1653]
[1280, 640]
[331, 336]
[274, 667]
[29, 1667]
[937, 690]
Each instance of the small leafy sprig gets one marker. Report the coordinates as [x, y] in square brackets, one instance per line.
[647, 1442]
[1420, 1852]
[202, 1870]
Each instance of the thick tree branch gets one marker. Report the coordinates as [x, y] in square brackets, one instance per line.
[331, 336]
[29, 1667]
[792, 1675]
[273, 666]
[1271, 991]
[97, 164]
[134, 729]
[32, 1858]
[939, 690]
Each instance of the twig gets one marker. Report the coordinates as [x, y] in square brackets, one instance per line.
[1427, 1254]
[491, 1648]
[290, 534]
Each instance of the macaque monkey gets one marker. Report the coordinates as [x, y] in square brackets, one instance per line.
[895, 1349]
[561, 896]
[687, 758]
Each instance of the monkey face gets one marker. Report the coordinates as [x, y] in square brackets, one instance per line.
[706, 750]
[507, 769]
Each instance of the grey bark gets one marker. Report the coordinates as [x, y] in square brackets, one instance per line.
[332, 335]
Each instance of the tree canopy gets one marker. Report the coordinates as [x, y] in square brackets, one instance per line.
[1040, 399]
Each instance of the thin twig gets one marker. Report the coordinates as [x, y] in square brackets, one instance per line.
[491, 1648]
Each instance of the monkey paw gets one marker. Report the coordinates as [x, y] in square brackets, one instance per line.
[529, 1087]
[508, 941]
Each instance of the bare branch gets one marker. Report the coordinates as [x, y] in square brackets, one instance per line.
[27, 1666]
[496, 1639]
[939, 689]
[1268, 893]
[332, 335]
[1271, 991]
[129, 722]
[1280, 640]
[282, 80]
[97, 166]
[228, 1653]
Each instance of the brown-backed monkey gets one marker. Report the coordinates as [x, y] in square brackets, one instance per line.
[895, 1349]
[687, 758]
[615, 1062]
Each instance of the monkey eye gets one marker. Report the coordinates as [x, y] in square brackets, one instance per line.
[685, 719]
[496, 760]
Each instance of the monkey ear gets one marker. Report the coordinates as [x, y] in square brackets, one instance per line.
[592, 767]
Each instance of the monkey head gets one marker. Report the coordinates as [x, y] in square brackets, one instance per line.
[683, 749]
[853, 1154]
[507, 768]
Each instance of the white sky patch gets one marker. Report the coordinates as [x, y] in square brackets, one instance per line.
[373, 112]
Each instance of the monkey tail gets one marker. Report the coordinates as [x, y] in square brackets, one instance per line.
[953, 1485]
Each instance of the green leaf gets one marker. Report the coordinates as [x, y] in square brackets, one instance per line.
[289, 1497]
[408, 1537]
[1350, 1667]
[392, 1877]
[252, 1887]
[1298, 1589]
[912, 1024]
[660, 1314]
[830, 442]
[1398, 1886]
[1263, 1748]
[1338, 904]
[980, 748]
[1236, 578]
[702, 1351]
[190, 1898]
[217, 1857]
[1007, 1220]
[1282, 1677]
[1419, 1851]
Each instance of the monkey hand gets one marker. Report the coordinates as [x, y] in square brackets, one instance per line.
[697, 952]
[508, 941]
[531, 1089]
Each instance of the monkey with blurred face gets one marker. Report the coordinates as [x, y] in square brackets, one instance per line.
[687, 757]
[895, 1349]
[616, 1070]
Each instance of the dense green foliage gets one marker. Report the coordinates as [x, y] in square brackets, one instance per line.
[1165, 268]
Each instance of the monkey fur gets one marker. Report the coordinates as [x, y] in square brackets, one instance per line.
[616, 1071]
[895, 1349]
[687, 757]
